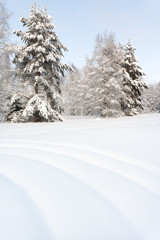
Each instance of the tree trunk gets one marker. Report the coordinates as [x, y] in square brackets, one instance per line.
[36, 85]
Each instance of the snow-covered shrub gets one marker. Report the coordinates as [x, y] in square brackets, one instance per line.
[38, 110]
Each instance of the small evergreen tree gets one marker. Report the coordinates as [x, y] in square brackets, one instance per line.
[133, 84]
[39, 65]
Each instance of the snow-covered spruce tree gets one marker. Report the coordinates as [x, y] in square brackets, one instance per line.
[157, 97]
[151, 98]
[72, 91]
[103, 78]
[5, 67]
[93, 83]
[133, 84]
[39, 64]
[89, 80]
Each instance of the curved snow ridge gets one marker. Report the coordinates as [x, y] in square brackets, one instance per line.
[115, 213]
[120, 199]
[67, 163]
[20, 218]
[88, 179]
[138, 174]
[84, 172]
[70, 147]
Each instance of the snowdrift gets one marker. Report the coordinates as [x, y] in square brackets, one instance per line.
[85, 179]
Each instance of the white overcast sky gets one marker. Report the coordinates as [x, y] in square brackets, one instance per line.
[78, 22]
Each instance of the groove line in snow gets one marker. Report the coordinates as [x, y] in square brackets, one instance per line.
[24, 200]
[88, 179]
[101, 196]
[51, 163]
[109, 154]
[112, 155]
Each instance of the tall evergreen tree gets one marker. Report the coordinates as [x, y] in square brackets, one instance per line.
[39, 64]
[73, 91]
[5, 68]
[151, 98]
[103, 77]
[133, 84]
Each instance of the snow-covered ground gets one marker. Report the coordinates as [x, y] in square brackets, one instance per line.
[85, 179]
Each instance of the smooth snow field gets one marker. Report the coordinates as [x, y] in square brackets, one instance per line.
[82, 179]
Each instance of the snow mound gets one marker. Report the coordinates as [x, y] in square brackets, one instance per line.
[83, 179]
[36, 105]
